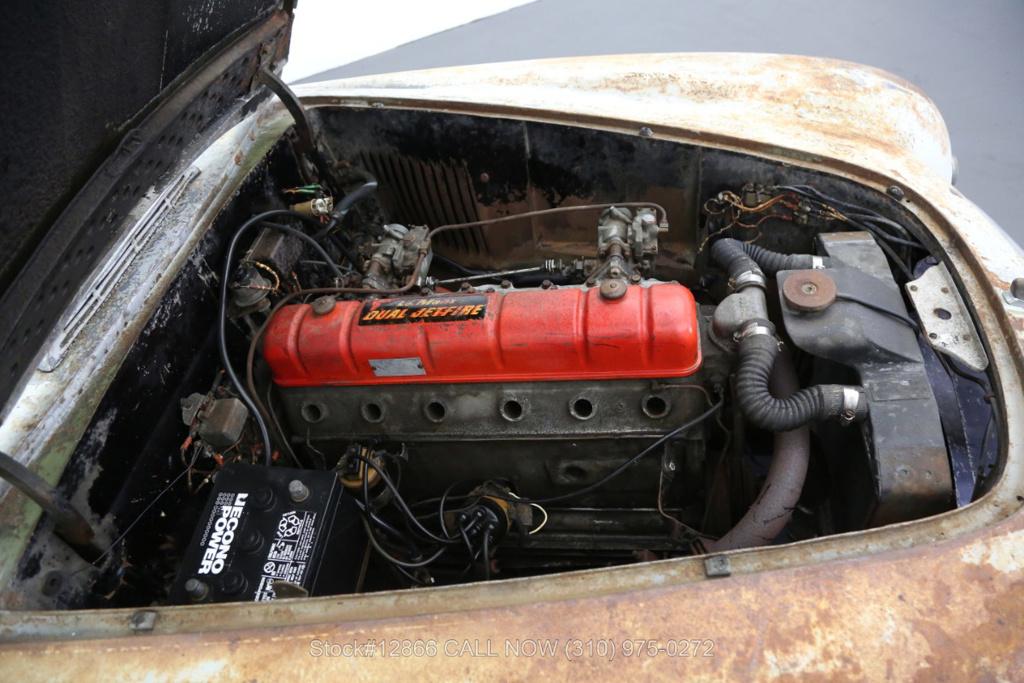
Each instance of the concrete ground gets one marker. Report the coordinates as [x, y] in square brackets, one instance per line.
[968, 56]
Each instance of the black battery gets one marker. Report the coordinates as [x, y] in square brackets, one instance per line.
[270, 532]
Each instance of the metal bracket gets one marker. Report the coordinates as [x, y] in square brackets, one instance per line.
[143, 621]
[947, 324]
[717, 566]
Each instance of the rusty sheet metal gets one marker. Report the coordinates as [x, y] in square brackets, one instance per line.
[825, 109]
[949, 611]
[53, 410]
[941, 598]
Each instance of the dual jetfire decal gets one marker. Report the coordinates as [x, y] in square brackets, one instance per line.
[429, 309]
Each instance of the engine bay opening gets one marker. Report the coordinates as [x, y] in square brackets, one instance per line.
[476, 348]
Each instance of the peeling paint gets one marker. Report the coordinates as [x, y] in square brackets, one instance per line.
[924, 599]
[1004, 553]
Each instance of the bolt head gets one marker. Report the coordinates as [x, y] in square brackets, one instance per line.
[143, 620]
[896, 192]
[1017, 288]
[196, 589]
[323, 305]
[262, 498]
[297, 491]
[613, 289]
[233, 582]
[52, 582]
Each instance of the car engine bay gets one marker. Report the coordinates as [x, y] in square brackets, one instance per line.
[432, 349]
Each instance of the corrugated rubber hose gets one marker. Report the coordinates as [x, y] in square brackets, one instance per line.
[746, 265]
[738, 257]
[772, 510]
[758, 356]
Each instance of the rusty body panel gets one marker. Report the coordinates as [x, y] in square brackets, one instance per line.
[949, 611]
[814, 109]
[939, 598]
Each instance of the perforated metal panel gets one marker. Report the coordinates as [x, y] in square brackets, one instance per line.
[85, 230]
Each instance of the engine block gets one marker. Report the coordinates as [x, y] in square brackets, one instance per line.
[499, 380]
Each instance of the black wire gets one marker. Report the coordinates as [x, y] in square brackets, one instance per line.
[277, 427]
[883, 239]
[124, 534]
[412, 578]
[394, 560]
[816, 194]
[895, 258]
[906, 320]
[339, 241]
[402, 504]
[431, 501]
[984, 445]
[222, 323]
[388, 527]
[863, 224]
[222, 326]
[329, 262]
[866, 219]
[950, 365]
[222, 332]
[444, 260]
[487, 555]
[879, 221]
[374, 517]
[621, 468]
[446, 498]
[469, 545]
[393, 530]
[440, 509]
[399, 565]
[345, 205]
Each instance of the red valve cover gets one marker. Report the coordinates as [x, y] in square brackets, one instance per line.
[515, 336]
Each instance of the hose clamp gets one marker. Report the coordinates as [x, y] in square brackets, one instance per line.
[851, 401]
[748, 279]
[753, 329]
[817, 263]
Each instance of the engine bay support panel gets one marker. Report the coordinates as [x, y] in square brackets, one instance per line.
[910, 467]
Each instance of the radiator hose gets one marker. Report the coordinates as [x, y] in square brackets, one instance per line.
[759, 351]
[772, 262]
[758, 345]
[771, 512]
[738, 257]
